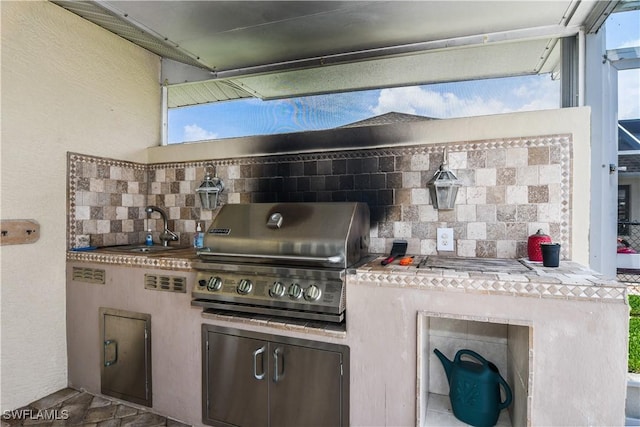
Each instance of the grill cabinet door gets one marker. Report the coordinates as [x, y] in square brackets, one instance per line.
[305, 386]
[126, 355]
[235, 381]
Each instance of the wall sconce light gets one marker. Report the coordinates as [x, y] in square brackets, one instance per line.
[210, 188]
[443, 187]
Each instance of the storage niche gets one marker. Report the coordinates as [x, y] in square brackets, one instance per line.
[506, 343]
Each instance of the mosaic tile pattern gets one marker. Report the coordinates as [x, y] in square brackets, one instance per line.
[70, 407]
[106, 200]
[511, 188]
[177, 263]
[571, 281]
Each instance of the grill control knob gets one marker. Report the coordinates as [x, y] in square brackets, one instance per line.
[214, 283]
[244, 286]
[277, 289]
[295, 291]
[312, 293]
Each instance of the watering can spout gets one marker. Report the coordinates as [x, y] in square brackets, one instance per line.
[446, 363]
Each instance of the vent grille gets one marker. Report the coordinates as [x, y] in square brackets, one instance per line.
[89, 275]
[165, 283]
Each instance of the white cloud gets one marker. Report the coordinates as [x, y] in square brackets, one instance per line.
[629, 94]
[536, 94]
[630, 43]
[426, 102]
[196, 133]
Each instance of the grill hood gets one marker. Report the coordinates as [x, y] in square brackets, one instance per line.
[327, 235]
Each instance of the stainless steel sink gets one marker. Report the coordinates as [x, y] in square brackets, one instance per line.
[144, 249]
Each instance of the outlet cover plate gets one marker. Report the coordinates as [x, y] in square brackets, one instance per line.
[445, 239]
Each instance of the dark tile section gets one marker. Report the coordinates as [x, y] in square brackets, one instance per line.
[369, 179]
[69, 407]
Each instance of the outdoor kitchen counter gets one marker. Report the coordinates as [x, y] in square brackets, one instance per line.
[475, 275]
[495, 276]
[557, 334]
[561, 323]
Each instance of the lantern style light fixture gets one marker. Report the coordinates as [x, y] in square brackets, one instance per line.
[210, 188]
[443, 187]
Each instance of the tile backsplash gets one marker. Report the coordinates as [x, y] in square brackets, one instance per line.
[511, 188]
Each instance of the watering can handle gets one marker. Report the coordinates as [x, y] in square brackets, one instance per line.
[471, 353]
[507, 392]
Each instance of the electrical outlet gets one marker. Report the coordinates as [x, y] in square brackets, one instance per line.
[445, 239]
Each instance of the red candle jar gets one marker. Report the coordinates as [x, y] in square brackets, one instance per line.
[533, 245]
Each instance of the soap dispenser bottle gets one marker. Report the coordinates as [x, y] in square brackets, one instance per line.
[149, 239]
[198, 240]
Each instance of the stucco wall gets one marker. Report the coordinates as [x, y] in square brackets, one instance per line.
[67, 85]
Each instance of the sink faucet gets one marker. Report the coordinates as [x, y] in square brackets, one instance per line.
[167, 235]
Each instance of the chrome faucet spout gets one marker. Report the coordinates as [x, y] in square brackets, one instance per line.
[167, 235]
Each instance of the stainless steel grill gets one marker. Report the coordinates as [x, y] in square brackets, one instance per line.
[281, 259]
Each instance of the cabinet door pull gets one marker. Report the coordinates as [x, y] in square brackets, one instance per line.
[255, 363]
[113, 361]
[277, 355]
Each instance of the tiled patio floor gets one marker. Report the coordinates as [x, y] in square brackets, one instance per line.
[69, 407]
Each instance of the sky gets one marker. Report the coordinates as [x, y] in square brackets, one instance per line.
[475, 98]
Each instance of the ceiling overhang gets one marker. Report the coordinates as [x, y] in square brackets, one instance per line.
[223, 50]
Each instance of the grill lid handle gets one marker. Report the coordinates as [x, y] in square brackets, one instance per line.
[335, 259]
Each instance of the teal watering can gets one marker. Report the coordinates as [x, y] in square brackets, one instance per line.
[474, 389]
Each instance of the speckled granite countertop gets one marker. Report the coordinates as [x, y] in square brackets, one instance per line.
[492, 276]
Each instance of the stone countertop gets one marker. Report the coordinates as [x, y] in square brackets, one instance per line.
[568, 281]
[476, 275]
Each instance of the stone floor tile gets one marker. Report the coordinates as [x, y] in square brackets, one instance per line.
[125, 411]
[71, 411]
[54, 398]
[46, 417]
[175, 423]
[37, 422]
[83, 399]
[14, 418]
[101, 413]
[146, 419]
[69, 407]
[71, 415]
[99, 401]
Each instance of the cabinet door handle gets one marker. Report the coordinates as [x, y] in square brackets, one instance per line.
[255, 363]
[277, 354]
[113, 361]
